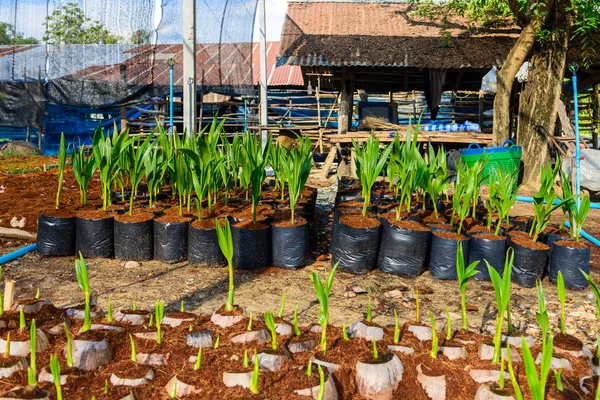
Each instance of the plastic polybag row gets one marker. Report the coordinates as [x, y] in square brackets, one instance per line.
[443, 256]
[289, 245]
[56, 236]
[355, 248]
[203, 247]
[482, 249]
[170, 241]
[251, 247]
[570, 261]
[528, 264]
[403, 251]
[95, 237]
[134, 240]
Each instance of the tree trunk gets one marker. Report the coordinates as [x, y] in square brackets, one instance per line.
[539, 99]
[505, 80]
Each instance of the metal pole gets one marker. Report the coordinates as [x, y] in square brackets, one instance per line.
[189, 66]
[171, 64]
[262, 21]
[245, 114]
[574, 69]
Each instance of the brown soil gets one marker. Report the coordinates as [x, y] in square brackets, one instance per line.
[251, 225]
[208, 223]
[359, 222]
[489, 236]
[127, 369]
[135, 312]
[17, 335]
[352, 204]
[60, 213]
[92, 336]
[288, 223]
[450, 235]
[480, 229]
[411, 225]
[572, 244]
[567, 342]
[174, 219]
[94, 214]
[138, 216]
[525, 241]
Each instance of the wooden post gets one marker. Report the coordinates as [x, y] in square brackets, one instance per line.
[481, 96]
[9, 294]
[328, 162]
[319, 114]
[27, 133]
[123, 118]
[345, 102]
[595, 117]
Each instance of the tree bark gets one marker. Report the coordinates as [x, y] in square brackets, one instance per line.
[505, 80]
[539, 99]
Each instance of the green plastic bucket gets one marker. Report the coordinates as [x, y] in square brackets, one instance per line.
[506, 158]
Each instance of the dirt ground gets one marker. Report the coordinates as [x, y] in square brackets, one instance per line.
[204, 289]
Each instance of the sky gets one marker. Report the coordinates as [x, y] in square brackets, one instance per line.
[275, 10]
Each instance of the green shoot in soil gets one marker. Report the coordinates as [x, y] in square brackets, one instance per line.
[321, 395]
[32, 370]
[434, 337]
[560, 286]
[595, 290]
[37, 294]
[182, 307]
[7, 346]
[226, 245]
[542, 314]
[22, 323]
[295, 321]
[270, 322]
[417, 308]
[449, 325]
[281, 309]
[55, 370]
[254, 379]
[133, 352]
[296, 165]
[173, 393]
[502, 290]
[537, 382]
[250, 323]
[558, 379]
[106, 386]
[109, 312]
[375, 352]
[369, 311]
[151, 321]
[501, 377]
[309, 368]
[82, 278]
[323, 297]
[396, 327]
[464, 274]
[217, 342]
[198, 362]
[134, 306]
[246, 360]
[62, 161]
[345, 332]
[513, 376]
[83, 170]
[69, 347]
[159, 312]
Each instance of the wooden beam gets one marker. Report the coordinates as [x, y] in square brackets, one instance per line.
[346, 102]
[11, 233]
[328, 162]
[9, 294]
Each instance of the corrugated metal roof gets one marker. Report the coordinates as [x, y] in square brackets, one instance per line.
[385, 34]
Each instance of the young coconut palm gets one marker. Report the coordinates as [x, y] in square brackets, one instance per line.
[84, 284]
[255, 161]
[297, 165]
[595, 290]
[135, 166]
[226, 245]
[503, 194]
[502, 290]
[369, 164]
[464, 274]
[323, 297]
[84, 167]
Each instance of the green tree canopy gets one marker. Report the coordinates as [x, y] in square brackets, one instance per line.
[69, 25]
[8, 36]
[140, 36]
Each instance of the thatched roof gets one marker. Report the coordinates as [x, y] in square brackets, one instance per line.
[384, 34]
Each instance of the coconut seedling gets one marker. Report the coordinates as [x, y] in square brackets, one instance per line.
[448, 325]
[217, 342]
[345, 332]
[560, 287]
[464, 191]
[396, 328]
[375, 352]
[84, 167]
[503, 194]
[435, 180]
[55, 370]
[159, 312]
[282, 307]
[109, 310]
[255, 161]
[246, 361]
[226, 245]
[537, 382]
[369, 311]
[84, 284]
[323, 292]
[464, 274]
[502, 290]
[254, 378]
[69, 347]
[62, 161]
[579, 215]
[513, 376]
[22, 323]
[544, 201]
[32, 370]
[198, 361]
[434, 338]
[558, 379]
[369, 164]
[501, 375]
[309, 368]
[595, 290]
[321, 394]
[135, 156]
[542, 314]
[297, 165]
[155, 167]
[297, 331]
[250, 319]
[270, 322]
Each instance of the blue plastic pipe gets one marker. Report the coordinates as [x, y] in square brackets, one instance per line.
[526, 199]
[17, 253]
[586, 235]
[577, 150]
[171, 65]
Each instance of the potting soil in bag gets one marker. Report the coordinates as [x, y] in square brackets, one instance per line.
[171, 238]
[356, 243]
[94, 234]
[487, 247]
[530, 260]
[443, 254]
[203, 244]
[56, 235]
[569, 257]
[404, 248]
[134, 237]
[251, 245]
[289, 243]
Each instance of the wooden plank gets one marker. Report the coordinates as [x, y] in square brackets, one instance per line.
[422, 139]
[12, 233]
[9, 294]
[328, 162]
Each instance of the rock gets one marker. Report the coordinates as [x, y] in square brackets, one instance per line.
[486, 353]
[22, 393]
[80, 314]
[182, 389]
[231, 379]
[149, 335]
[349, 294]
[435, 386]
[331, 367]
[18, 223]
[118, 381]
[300, 347]
[262, 336]
[329, 392]
[422, 333]
[488, 392]
[225, 321]
[556, 363]
[393, 294]
[283, 329]
[131, 265]
[152, 358]
[379, 380]
[271, 361]
[401, 349]
[454, 353]
[486, 375]
[23, 348]
[364, 331]
[30, 307]
[316, 329]
[515, 341]
[358, 290]
[199, 339]
[8, 369]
